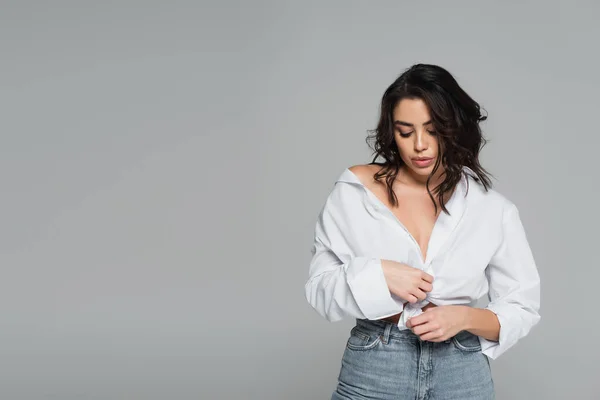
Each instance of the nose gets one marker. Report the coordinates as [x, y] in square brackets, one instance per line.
[420, 142]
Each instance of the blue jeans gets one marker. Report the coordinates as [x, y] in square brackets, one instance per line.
[382, 362]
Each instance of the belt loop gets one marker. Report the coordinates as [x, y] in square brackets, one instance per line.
[386, 332]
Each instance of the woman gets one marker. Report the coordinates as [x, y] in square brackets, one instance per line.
[408, 245]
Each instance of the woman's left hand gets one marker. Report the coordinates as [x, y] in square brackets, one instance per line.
[440, 323]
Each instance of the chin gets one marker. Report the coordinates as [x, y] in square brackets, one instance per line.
[422, 171]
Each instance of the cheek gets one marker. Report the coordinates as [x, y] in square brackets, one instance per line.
[434, 144]
[403, 148]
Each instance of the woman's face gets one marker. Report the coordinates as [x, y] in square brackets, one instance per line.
[415, 137]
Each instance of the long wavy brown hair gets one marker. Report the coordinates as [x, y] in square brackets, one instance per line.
[455, 116]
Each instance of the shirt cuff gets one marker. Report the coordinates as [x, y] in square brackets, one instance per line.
[493, 349]
[370, 290]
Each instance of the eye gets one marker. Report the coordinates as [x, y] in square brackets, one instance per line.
[407, 134]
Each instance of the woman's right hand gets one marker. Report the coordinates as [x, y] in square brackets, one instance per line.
[406, 282]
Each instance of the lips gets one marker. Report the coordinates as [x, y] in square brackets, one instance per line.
[422, 162]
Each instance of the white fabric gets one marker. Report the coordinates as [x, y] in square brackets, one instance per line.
[479, 249]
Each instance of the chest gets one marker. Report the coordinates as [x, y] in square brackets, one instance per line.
[415, 211]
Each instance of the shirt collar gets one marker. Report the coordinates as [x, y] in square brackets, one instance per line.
[349, 177]
[445, 224]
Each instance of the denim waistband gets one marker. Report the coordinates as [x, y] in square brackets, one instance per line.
[385, 328]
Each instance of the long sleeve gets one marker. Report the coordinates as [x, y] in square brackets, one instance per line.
[514, 286]
[342, 283]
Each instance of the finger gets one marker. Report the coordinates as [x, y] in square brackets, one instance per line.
[412, 299]
[433, 336]
[424, 328]
[419, 319]
[419, 294]
[426, 286]
[426, 277]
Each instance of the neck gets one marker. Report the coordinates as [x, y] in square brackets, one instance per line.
[408, 177]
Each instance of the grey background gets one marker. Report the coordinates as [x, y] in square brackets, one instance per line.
[163, 164]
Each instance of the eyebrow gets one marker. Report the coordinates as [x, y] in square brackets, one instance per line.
[398, 122]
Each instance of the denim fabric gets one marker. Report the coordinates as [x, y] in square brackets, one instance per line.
[382, 362]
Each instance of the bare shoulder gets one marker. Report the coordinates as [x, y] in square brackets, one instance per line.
[365, 172]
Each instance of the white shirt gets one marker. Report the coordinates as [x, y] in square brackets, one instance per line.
[479, 249]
